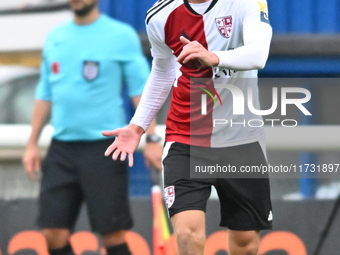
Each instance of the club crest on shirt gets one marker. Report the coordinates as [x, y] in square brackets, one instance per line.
[90, 70]
[169, 195]
[224, 25]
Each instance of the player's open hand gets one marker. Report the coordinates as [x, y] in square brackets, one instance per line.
[194, 50]
[126, 142]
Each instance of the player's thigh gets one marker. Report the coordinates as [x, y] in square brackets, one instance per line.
[189, 222]
[245, 202]
[105, 185]
[181, 192]
[60, 194]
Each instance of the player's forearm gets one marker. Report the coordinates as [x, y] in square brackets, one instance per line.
[40, 115]
[243, 59]
[152, 127]
[155, 93]
[253, 55]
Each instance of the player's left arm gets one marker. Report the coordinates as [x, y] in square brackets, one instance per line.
[257, 34]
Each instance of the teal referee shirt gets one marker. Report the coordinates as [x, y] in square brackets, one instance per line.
[82, 73]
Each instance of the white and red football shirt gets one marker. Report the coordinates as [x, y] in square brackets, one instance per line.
[220, 28]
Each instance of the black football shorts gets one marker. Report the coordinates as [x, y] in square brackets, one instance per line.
[245, 202]
[77, 172]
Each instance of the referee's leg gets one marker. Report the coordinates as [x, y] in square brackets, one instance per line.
[115, 243]
[58, 241]
[105, 186]
[60, 198]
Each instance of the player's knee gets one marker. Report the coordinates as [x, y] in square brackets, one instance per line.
[56, 238]
[246, 246]
[188, 236]
[244, 242]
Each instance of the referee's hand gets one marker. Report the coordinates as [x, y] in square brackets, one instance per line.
[31, 161]
[126, 142]
[153, 155]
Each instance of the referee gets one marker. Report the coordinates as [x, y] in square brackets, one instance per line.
[85, 61]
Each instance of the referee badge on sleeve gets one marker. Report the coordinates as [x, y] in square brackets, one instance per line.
[90, 70]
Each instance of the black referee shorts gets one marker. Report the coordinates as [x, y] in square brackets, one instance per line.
[73, 172]
[244, 202]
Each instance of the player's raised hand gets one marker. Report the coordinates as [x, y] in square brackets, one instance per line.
[195, 50]
[126, 142]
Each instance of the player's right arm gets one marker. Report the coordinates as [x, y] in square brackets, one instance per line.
[41, 112]
[154, 95]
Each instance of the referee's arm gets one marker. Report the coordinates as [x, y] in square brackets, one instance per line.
[41, 113]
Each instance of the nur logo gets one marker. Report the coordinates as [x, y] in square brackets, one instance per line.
[204, 97]
[239, 99]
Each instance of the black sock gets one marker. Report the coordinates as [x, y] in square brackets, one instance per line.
[121, 249]
[66, 250]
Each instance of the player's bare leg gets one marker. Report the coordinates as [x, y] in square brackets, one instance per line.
[189, 229]
[243, 242]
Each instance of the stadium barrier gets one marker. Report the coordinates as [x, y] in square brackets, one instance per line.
[85, 241]
[297, 227]
[13, 138]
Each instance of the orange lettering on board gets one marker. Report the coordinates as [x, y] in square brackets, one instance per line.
[33, 240]
[282, 240]
[217, 241]
[137, 244]
[273, 241]
[84, 241]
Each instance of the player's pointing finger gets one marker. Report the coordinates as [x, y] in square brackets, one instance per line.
[184, 40]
